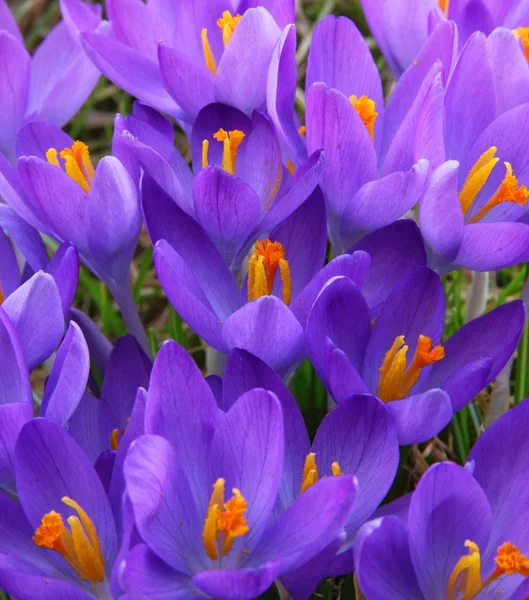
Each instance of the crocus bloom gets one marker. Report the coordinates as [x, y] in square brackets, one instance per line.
[373, 172]
[401, 28]
[60, 538]
[465, 536]
[400, 359]
[357, 438]
[59, 192]
[180, 58]
[50, 86]
[211, 481]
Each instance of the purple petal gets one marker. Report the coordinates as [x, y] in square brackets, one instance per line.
[67, 380]
[360, 436]
[227, 208]
[420, 417]
[415, 307]
[64, 268]
[382, 547]
[283, 11]
[37, 137]
[341, 379]
[8, 22]
[13, 417]
[9, 271]
[35, 310]
[89, 428]
[14, 376]
[354, 266]
[243, 68]
[50, 465]
[191, 84]
[447, 508]
[266, 328]
[98, 344]
[181, 408]
[24, 238]
[14, 87]
[80, 16]
[237, 584]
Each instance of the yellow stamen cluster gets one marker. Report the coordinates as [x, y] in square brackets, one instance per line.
[224, 522]
[227, 23]
[310, 471]
[509, 189]
[262, 268]
[79, 547]
[522, 34]
[444, 5]
[77, 163]
[466, 575]
[231, 141]
[396, 378]
[365, 107]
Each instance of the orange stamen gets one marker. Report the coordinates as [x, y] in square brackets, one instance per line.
[228, 23]
[262, 269]
[522, 35]
[365, 107]
[231, 141]
[77, 163]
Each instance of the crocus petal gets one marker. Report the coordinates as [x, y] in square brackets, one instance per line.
[447, 508]
[354, 266]
[237, 584]
[227, 208]
[245, 372]
[8, 21]
[100, 347]
[243, 68]
[13, 371]
[268, 329]
[44, 448]
[13, 417]
[359, 435]
[382, 547]
[395, 250]
[182, 408]
[165, 220]
[37, 137]
[67, 381]
[305, 528]
[341, 379]
[129, 69]
[9, 271]
[80, 16]
[440, 214]
[14, 78]
[492, 246]
[415, 307]
[24, 237]
[381, 202]
[36, 312]
[64, 268]
[334, 125]
[418, 418]
[191, 84]
[247, 451]
[163, 502]
[339, 302]
[89, 428]
[283, 11]
[186, 295]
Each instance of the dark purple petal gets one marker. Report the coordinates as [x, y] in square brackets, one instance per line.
[13, 417]
[89, 428]
[237, 584]
[67, 380]
[341, 379]
[64, 268]
[24, 237]
[382, 547]
[447, 508]
[9, 270]
[267, 328]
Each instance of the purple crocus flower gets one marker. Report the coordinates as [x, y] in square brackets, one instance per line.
[374, 170]
[465, 535]
[50, 86]
[401, 28]
[357, 438]
[59, 539]
[179, 58]
[59, 192]
[198, 539]
[400, 359]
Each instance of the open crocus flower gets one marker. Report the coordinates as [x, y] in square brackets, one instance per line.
[400, 359]
[204, 484]
[59, 192]
[357, 438]
[401, 28]
[51, 86]
[465, 537]
[374, 170]
[180, 58]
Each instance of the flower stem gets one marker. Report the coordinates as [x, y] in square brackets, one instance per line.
[478, 295]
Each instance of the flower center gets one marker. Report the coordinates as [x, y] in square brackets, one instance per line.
[79, 547]
[522, 34]
[509, 189]
[224, 521]
[262, 268]
[396, 378]
[227, 23]
[466, 576]
[231, 141]
[365, 107]
[310, 471]
[77, 163]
